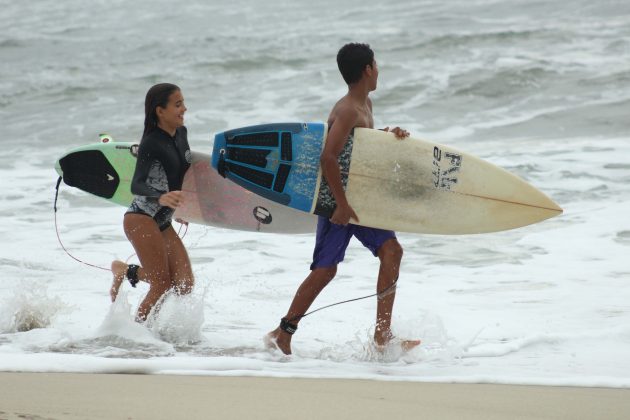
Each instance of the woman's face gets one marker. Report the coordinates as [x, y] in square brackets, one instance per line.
[172, 116]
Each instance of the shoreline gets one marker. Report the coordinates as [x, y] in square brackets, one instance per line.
[61, 396]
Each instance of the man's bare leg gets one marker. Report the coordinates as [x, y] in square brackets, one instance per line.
[390, 254]
[304, 297]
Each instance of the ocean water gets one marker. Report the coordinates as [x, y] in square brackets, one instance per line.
[541, 88]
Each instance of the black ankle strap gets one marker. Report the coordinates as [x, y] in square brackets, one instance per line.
[287, 327]
[132, 274]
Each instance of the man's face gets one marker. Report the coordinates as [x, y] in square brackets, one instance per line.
[372, 73]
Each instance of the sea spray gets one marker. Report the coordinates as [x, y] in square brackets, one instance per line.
[120, 335]
[120, 321]
[30, 308]
[436, 346]
[179, 319]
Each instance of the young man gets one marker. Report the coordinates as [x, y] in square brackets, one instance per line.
[359, 70]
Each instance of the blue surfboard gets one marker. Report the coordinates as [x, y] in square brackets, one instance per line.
[277, 161]
[412, 185]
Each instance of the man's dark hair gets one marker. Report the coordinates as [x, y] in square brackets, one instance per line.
[352, 59]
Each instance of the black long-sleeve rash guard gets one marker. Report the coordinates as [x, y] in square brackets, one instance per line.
[162, 162]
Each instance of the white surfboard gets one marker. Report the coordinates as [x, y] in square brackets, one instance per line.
[418, 186]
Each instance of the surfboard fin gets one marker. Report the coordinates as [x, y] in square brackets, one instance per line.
[105, 138]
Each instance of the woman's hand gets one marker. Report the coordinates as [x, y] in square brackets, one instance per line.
[172, 199]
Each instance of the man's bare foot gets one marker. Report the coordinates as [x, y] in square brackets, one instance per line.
[382, 339]
[119, 270]
[405, 345]
[278, 339]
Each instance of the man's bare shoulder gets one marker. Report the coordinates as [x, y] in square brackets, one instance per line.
[344, 110]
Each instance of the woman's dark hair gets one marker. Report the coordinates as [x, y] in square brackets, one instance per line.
[352, 59]
[156, 96]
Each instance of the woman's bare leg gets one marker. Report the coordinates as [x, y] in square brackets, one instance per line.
[180, 269]
[119, 271]
[182, 279]
[147, 240]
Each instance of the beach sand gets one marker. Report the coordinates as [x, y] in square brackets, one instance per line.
[40, 396]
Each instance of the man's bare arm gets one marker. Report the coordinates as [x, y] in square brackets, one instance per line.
[343, 124]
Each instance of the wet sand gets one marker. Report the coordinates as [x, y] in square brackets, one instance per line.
[41, 396]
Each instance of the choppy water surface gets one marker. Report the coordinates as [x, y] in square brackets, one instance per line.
[540, 88]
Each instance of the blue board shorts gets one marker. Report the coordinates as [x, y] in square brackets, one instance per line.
[332, 240]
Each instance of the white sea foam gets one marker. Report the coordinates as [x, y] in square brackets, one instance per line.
[541, 90]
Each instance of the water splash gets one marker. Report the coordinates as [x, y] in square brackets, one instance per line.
[120, 322]
[30, 308]
[179, 319]
[118, 336]
[436, 346]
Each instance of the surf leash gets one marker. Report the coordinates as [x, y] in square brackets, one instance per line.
[86, 263]
[379, 295]
[59, 238]
[181, 225]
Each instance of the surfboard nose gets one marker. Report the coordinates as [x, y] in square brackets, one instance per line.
[550, 208]
[537, 199]
[553, 206]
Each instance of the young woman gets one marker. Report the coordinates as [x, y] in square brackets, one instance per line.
[163, 159]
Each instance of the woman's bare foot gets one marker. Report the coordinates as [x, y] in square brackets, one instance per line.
[278, 339]
[119, 270]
